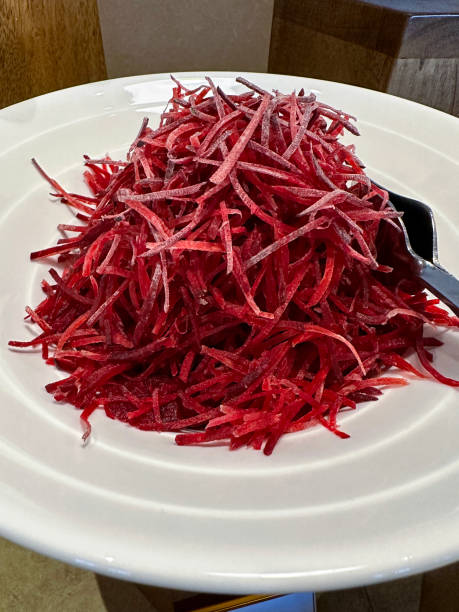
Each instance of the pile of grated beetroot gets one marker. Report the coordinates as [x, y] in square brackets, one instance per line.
[224, 282]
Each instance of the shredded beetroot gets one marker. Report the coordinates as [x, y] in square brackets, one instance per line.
[226, 278]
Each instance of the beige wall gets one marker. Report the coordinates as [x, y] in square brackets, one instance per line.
[145, 36]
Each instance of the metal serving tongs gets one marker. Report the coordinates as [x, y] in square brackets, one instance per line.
[420, 241]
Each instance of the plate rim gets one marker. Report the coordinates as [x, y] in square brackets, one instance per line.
[291, 583]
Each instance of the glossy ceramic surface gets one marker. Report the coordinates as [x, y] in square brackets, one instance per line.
[322, 512]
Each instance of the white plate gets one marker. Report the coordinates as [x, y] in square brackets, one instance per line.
[321, 513]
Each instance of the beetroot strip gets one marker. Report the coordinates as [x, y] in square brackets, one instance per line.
[220, 175]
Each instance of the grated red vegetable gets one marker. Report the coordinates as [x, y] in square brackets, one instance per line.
[225, 280]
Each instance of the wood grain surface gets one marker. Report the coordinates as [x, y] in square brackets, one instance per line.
[404, 48]
[47, 45]
[440, 590]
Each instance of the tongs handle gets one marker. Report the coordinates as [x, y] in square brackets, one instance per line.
[443, 284]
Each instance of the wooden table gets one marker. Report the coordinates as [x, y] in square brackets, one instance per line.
[47, 45]
[409, 48]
